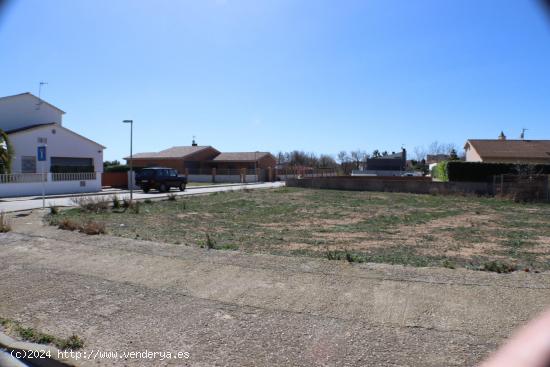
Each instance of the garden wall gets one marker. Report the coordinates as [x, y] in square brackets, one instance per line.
[424, 185]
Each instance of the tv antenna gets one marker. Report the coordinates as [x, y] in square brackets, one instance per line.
[40, 94]
[522, 136]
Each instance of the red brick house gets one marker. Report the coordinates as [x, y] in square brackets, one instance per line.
[196, 159]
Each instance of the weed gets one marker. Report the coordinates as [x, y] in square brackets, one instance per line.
[448, 264]
[116, 202]
[148, 201]
[93, 228]
[72, 342]
[4, 223]
[210, 243]
[32, 335]
[68, 224]
[228, 246]
[54, 210]
[132, 206]
[498, 267]
[171, 197]
[92, 204]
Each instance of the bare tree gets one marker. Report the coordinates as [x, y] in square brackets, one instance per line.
[419, 153]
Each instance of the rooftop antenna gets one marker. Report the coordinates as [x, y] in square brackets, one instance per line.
[40, 94]
[522, 136]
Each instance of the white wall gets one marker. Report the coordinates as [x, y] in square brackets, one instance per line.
[221, 178]
[24, 110]
[471, 155]
[51, 187]
[61, 144]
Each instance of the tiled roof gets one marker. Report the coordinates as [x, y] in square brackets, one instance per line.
[524, 149]
[174, 152]
[240, 156]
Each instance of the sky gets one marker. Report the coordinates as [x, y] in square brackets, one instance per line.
[278, 75]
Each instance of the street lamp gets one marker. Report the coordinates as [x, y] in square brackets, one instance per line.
[131, 180]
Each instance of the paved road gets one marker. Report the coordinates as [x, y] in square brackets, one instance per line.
[228, 308]
[12, 205]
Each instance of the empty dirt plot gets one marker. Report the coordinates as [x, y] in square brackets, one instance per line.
[395, 228]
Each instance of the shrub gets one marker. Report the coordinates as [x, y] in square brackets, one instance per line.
[93, 204]
[498, 267]
[54, 210]
[132, 206]
[148, 201]
[93, 228]
[439, 172]
[117, 168]
[68, 225]
[172, 197]
[4, 224]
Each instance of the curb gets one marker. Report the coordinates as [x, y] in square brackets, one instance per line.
[126, 191]
[11, 345]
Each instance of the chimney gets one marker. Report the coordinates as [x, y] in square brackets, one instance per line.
[194, 143]
[502, 136]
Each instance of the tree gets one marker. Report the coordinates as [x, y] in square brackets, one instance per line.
[376, 154]
[6, 153]
[326, 161]
[452, 155]
[419, 153]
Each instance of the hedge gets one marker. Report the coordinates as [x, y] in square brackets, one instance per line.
[117, 168]
[484, 172]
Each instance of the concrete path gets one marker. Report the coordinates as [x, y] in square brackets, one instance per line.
[13, 205]
[227, 308]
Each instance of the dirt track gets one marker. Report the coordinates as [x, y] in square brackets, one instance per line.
[233, 308]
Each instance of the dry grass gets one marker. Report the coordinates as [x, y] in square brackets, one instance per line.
[4, 223]
[421, 230]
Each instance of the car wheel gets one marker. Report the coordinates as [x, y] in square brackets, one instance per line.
[146, 190]
[163, 188]
[182, 187]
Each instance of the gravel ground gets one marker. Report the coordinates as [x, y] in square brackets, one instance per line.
[230, 308]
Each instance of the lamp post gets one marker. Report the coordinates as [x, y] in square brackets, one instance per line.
[131, 178]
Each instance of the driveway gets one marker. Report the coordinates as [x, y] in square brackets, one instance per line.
[16, 204]
[228, 308]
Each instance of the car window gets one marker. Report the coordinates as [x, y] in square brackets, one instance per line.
[173, 173]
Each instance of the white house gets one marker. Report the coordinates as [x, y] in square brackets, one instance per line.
[73, 163]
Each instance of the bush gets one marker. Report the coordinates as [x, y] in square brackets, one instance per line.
[498, 267]
[439, 172]
[94, 204]
[172, 197]
[54, 210]
[133, 206]
[93, 228]
[68, 225]
[117, 168]
[484, 172]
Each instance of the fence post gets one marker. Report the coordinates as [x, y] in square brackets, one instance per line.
[213, 174]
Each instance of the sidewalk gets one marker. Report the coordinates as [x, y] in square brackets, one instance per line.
[111, 191]
[7, 205]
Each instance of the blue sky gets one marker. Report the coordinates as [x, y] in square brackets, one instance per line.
[314, 75]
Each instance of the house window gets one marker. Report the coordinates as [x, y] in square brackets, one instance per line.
[69, 164]
[28, 164]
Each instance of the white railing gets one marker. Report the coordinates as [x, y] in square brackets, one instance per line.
[81, 176]
[22, 177]
[15, 178]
